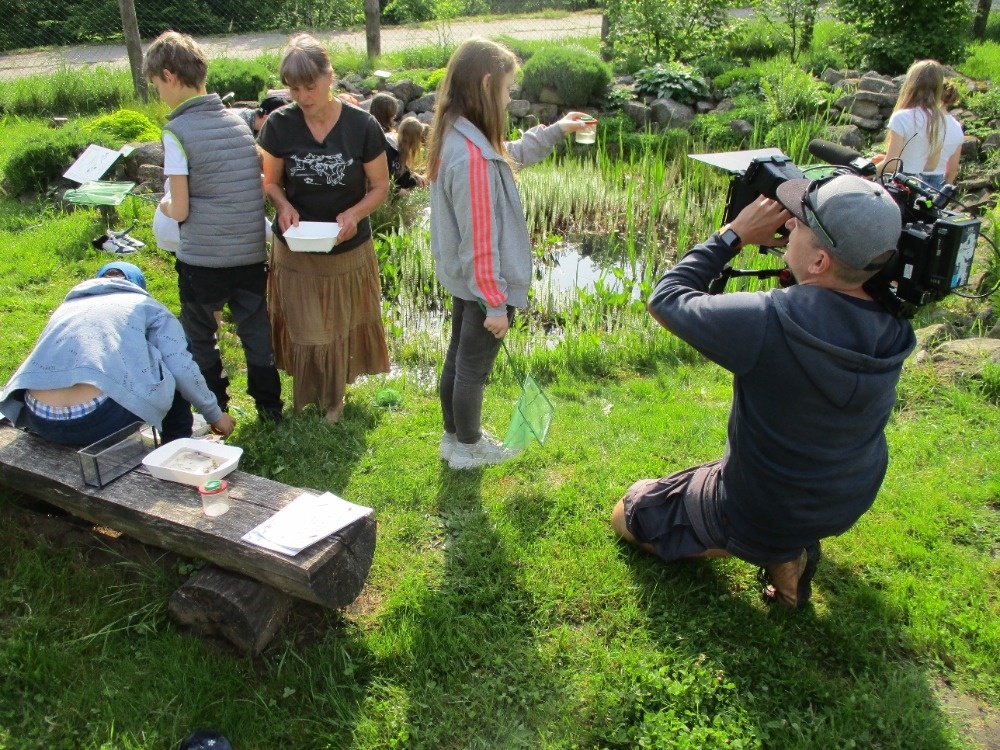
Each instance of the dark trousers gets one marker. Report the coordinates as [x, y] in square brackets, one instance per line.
[107, 419]
[203, 293]
[472, 350]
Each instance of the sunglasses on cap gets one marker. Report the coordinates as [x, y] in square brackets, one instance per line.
[807, 207]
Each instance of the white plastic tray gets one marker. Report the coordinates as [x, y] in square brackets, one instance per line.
[312, 236]
[157, 461]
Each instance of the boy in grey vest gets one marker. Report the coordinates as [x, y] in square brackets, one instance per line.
[216, 196]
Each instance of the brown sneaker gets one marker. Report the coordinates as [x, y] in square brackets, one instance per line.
[790, 583]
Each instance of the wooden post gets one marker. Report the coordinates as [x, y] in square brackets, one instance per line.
[130, 25]
[373, 33]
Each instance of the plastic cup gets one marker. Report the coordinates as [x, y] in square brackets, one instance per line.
[588, 134]
[214, 497]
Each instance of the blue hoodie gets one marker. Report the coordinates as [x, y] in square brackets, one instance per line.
[112, 334]
[815, 382]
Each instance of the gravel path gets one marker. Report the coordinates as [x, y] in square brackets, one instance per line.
[251, 45]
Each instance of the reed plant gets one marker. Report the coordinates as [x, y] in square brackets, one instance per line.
[68, 92]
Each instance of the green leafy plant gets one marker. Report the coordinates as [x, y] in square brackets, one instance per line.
[889, 40]
[664, 29]
[792, 93]
[123, 126]
[247, 79]
[40, 161]
[674, 80]
[578, 76]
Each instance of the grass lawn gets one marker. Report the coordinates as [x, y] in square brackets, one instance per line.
[500, 611]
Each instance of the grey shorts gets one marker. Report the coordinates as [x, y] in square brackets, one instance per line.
[655, 513]
[679, 517]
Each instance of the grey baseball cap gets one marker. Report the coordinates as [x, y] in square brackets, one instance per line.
[855, 218]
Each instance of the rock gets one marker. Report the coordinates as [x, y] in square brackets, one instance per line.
[742, 127]
[973, 353]
[405, 90]
[873, 82]
[149, 152]
[845, 135]
[518, 107]
[638, 113]
[151, 175]
[970, 147]
[990, 143]
[864, 109]
[422, 104]
[725, 105]
[671, 113]
[426, 117]
[549, 95]
[832, 76]
[933, 335]
[865, 123]
[529, 121]
[546, 113]
[884, 101]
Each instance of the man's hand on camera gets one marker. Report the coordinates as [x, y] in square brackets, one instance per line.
[759, 222]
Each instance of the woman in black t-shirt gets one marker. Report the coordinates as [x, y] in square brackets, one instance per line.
[324, 160]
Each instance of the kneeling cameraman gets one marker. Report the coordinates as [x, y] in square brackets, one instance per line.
[815, 370]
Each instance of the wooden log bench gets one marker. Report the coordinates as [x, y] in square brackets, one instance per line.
[246, 597]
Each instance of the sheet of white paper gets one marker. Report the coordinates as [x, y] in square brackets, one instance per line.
[305, 521]
[92, 164]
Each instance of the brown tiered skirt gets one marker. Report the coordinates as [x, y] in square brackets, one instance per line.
[326, 320]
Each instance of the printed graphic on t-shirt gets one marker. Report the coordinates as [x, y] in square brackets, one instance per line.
[319, 169]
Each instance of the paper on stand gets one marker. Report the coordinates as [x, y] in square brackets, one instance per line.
[306, 520]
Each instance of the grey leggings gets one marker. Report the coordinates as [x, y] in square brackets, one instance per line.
[472, 351]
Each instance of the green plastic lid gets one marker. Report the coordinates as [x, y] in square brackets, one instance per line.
[212, 485]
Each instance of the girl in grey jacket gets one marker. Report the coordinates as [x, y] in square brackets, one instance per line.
[479, 236]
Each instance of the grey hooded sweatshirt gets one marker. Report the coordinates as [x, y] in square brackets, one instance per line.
[815, 383]
[479, 236]
[112, 334]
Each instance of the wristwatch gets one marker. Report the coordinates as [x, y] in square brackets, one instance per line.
[730, 239]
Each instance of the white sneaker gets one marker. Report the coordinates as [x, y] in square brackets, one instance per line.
[448, 442]
[487, 452]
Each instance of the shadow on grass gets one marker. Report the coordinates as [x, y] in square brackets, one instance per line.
[473, 673]
[306, 451]
[832, 675]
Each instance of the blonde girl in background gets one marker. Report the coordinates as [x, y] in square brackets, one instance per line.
[479, 236]
[410, 135]
[924, 141]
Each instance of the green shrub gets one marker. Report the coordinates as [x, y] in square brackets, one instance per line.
[709, 67]
[123, 126]
[714, 132]
[890, 40]
[983, 62]
[40, 161]
[738, 81]
[754, 39]
[664, 29]
[791, 93]
[674, 80]
[579, 77]
[247, 79]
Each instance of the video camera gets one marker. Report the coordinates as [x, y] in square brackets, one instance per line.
[935, 249]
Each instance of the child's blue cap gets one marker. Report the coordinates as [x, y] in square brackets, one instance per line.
[131, 272]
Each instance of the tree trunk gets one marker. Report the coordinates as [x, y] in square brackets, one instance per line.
[982, 16]
[606, 48]
[130, 25]
[373, 34]
[809, 24]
